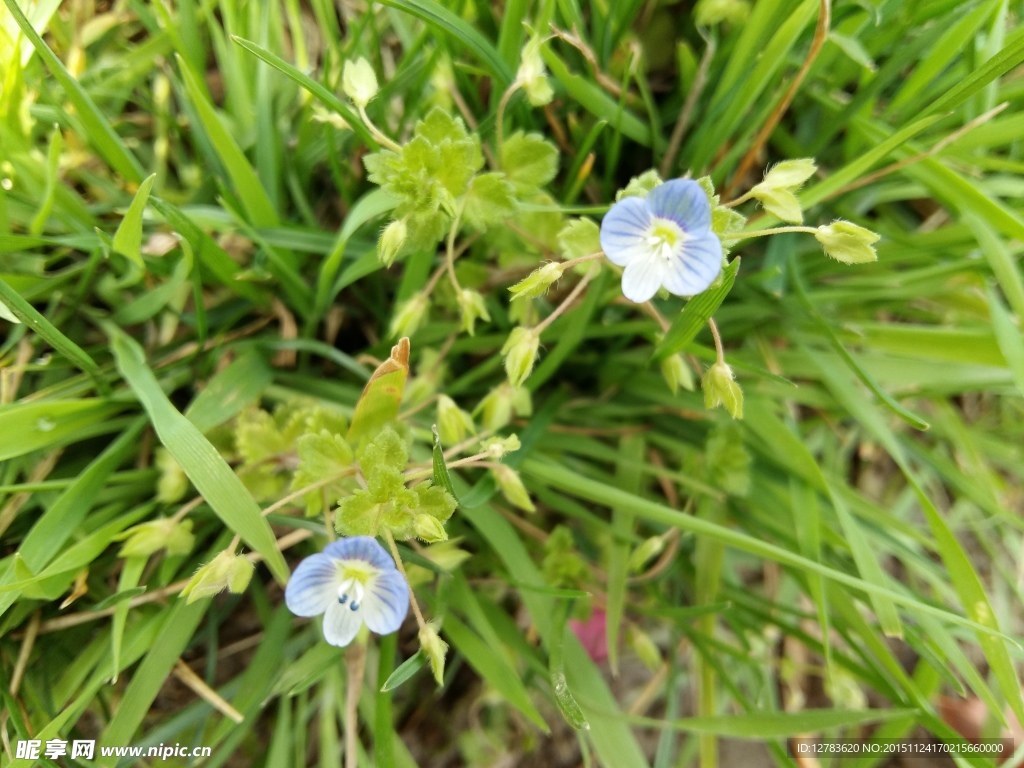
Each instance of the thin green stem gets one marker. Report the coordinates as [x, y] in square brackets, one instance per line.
[378, 134]
[573, 295]
[765, 232]
[499, 128]
[718, 340]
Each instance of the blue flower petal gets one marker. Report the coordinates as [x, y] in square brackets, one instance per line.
[313, 586]
[623, 231]
[643, 277]
[685, 202]
[363, 548]
[386, 602]
[696, 267]
[341, 624]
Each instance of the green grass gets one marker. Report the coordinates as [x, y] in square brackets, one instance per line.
[188, 234]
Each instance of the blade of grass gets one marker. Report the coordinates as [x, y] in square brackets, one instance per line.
[205, 467]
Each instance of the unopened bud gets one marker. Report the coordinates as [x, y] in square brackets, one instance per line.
[409, 316]
[776, 192]
[144, 539]
[429, 529]
[497, 447]
[434, 648]
[173, 481]
[720, 388]
[512, 488]
[677, 373]
[520, 352]
[391, 241]
[537, 282]
[359, 82]
[473, 308]
[532, 74]
[847, 242]
[226, 571]
[453, 423]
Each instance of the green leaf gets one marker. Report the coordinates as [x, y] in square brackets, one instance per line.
[229, 391]
[461, 33]
[566, 702]
[382, 395]
[207, 470]
[529, 161]
[405, 671]
[489, 200]
[695, 314]
[32, 319]
[321, 456]
[776, 725]
[442, 478]
[42, 423]
[128, 238]
[247, 184]
[579, 237]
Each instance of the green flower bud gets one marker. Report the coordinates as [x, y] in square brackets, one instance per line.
[647, 551]
[434, 648]
[520, 352]
[359, 82]
[409, 316]
[226, 571]
[522, 402]
[780, 202]
[720, 388]
[429, 529]
[453, 423]
[537, 282]
[473, 308]
[391, 241]
[496, 407]
[789, 174]
[497, 447]
[173, 481]
[644, 648]
[776, 191]
[144, 539]
[532, 74]
[848, 243]
[677, 373]
[512, 488]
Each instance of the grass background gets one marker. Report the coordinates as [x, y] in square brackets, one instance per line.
[831, 562]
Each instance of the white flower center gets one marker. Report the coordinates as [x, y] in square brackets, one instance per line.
[353, 575]
[665, 239]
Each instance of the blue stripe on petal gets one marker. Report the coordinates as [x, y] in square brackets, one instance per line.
[313, 586]
[341, 624]
[386, 602]
[685, 202]
[696, 267]
[623, 230]
[363, 548]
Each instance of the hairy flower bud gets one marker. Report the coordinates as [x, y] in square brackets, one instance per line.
[453, 423]
[532, 74]
[429, 529]
[647, 551]
[847, 242]
[520, 352]
[409, 316]
[391, 241]
[173, 481]
[776, 192]
[720, 388]
[359, 81]
[537, 282]
[434, 648]
[677, 373]
[473, 308]
[512, 488]
[226, 571]
[497, 447]
[144, 539]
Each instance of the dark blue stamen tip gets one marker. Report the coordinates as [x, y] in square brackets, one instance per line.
[354, 606]
[343, 599]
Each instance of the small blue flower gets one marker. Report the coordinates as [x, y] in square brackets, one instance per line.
[664, 239]
[351, 582]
